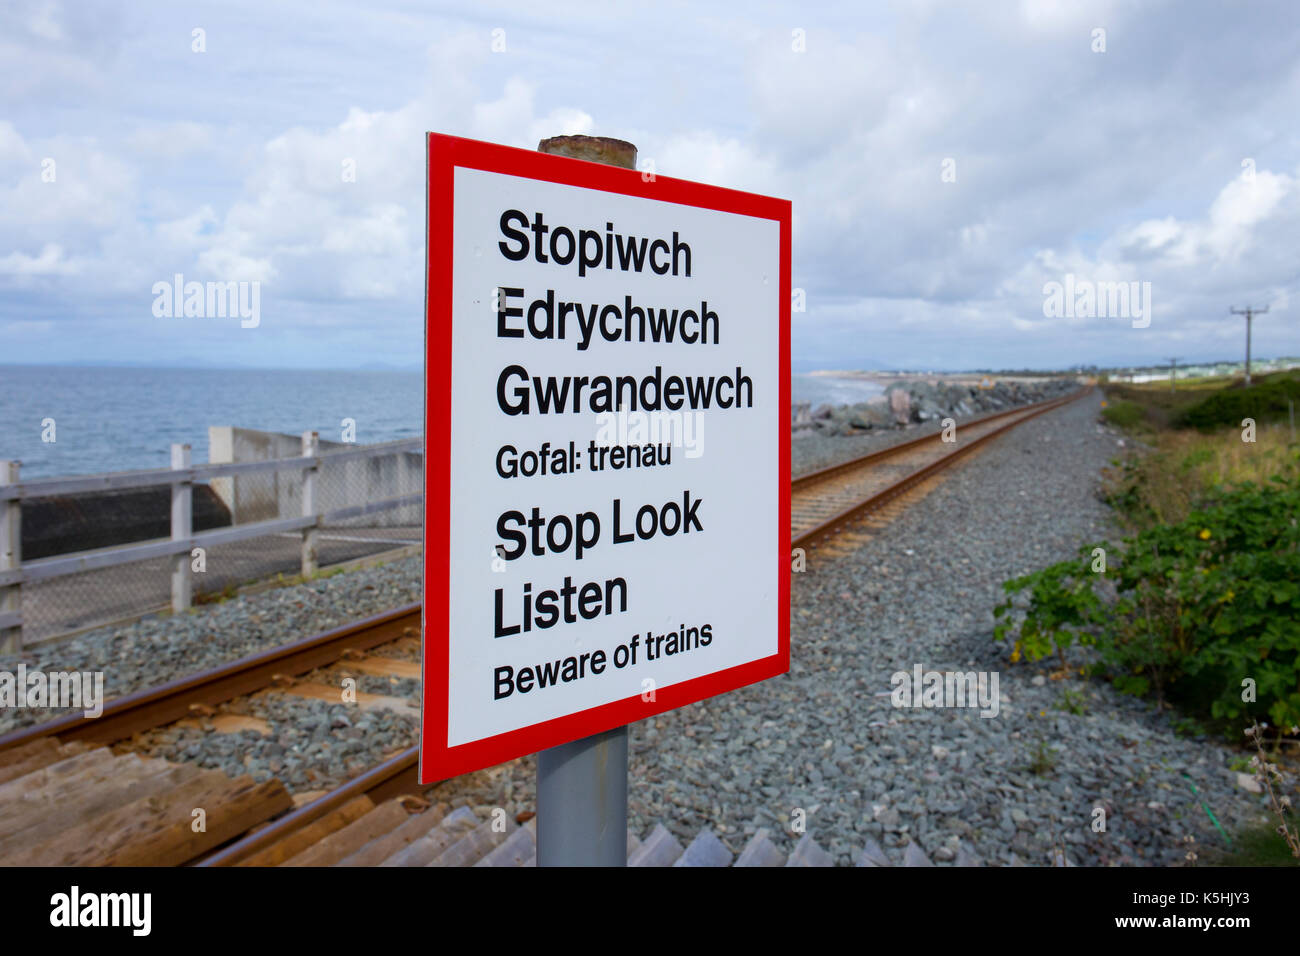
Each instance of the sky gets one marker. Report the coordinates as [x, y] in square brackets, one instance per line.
[946, 161]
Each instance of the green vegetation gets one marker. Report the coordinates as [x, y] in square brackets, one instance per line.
[1265, 400]
[216, 597]
[1122, 413]
[1184, 470]
[1161, 405]
[1204, 403]
[1258, 846]
[1072, 702]
[1198, 605]
[1199, 608]
[1043, 760]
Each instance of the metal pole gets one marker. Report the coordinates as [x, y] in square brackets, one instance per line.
[582, 785]
[1249, 313]
[582, 802]
[1248, 318]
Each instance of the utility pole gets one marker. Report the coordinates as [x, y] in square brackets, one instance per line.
[1173, 364]
[1249, 313]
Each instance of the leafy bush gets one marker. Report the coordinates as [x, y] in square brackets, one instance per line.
[1189, 610]
[1263, 401]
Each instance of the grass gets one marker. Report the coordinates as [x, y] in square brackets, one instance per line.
[1180, 469]
[1183, 469]
[1184, 466]
[1043, 760]
[1160, 406]
[1123, 414]
[1272, 398]
[279, 581]
[215, 597]
[1072, 702]
[1257, 846]
[1223, 400]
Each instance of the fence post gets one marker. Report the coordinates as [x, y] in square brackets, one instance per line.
[310, 447]
[11, 559]
[182, 528]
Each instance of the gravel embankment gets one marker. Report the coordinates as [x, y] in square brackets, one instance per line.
[824, 738]
[311, 745]
[157, 650]
[811, 448]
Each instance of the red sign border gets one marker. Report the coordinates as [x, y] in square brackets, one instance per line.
[445, 154]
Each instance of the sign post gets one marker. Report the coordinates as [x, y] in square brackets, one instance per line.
[607, 464]
[582, 785]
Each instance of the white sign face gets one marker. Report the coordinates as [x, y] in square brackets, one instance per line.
[616, 463]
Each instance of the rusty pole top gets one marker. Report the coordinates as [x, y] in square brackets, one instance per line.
[594, 149]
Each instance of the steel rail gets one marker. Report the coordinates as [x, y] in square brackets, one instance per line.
[812, 535]
[395, 776]
[156, 706]
[853, 464]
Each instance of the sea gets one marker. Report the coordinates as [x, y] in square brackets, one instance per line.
[60, 420]
[120, 419]
[832, 389]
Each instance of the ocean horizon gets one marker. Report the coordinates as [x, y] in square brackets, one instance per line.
[106, 418]
[122, 418]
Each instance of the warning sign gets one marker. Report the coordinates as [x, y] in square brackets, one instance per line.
[607, 470]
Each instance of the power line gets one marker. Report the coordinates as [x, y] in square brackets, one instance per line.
[1249, 313]
[1173, 364]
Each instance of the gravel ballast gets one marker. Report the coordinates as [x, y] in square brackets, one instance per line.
[157, 650]
[824, 739]
[312, 744]
[811, 450]
[814, 448]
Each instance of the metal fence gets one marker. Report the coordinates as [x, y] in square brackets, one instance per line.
[262, 518]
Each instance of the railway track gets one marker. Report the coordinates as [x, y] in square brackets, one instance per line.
[66, 763]
[824, 501]
[68, 797]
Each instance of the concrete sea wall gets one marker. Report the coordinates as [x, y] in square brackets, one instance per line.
[263, 496]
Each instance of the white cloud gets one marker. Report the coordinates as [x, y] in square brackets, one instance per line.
[1066, 161]
[172, 140]
[43, 20]
[37, 330]
[227, 265]
[85, 186]
[50, 262]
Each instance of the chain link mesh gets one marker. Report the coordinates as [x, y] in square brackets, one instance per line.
[70, 603]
